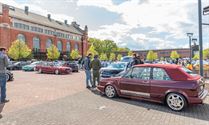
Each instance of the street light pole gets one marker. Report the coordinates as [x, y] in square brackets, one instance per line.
[190, 46]
[200, 36]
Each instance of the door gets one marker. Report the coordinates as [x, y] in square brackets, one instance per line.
[136, 82]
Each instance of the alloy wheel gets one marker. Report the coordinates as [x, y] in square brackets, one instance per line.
[110, 91]
[176, 101]
[40, 71]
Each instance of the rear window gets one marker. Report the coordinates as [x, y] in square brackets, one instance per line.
[188, 71]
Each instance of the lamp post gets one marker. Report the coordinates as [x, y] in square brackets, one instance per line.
[190, 45]
[200, 36]
[195, 48]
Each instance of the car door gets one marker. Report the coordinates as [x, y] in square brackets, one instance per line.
[136, 82]
[159, 83]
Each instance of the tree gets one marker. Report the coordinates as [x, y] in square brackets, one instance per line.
[104, 46]
[119, 57]
[123, 50]
[174, 55]
[74, 54]
[92, 50]
[53, 53]
[196, 57]
[112, 57]
[103, 57]
[206, 53]
[155, 56]
[151, 56]
[130, 53]
[19, 50]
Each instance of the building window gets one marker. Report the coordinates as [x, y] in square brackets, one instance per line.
[68, 47]
[59, 46]
[48, 43]
[36, 43]
[76, 46]
[21, 37]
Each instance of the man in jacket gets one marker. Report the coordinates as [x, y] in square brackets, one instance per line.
[87, 68]
[96, 66]
[3, 64]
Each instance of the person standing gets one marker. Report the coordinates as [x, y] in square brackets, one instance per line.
[3, 64]
[96, 66]
[87, 68]
[135, 60]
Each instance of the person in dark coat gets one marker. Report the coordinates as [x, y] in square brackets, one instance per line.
[96, 66]
[87, 68]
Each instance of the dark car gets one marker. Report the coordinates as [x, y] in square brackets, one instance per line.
[113, 69]
[72, 65]
[17, 65]
[53, 68]
[162, 83]
[9, 76]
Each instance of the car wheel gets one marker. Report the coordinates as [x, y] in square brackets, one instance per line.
[7, 77]
[57, 72]
[110, 91]
[34, 69]
[39, 71]
[176, 101]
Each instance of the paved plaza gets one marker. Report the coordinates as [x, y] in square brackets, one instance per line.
[44, 99]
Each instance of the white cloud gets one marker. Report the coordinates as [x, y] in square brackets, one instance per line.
[38, 10]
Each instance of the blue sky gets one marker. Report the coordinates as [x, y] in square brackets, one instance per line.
[137, 24]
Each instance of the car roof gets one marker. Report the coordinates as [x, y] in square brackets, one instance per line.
[175, 72]
[164, 66]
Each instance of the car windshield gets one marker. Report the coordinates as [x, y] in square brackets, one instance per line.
[117, 65]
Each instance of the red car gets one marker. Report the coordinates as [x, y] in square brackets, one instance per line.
[163, 83]
[52, 68]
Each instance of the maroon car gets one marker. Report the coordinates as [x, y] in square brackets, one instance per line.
[163, 83]
[53, 68]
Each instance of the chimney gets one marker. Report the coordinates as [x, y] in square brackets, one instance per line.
[75, 24]
[66, 22]
[49, 16]
[26, 9]
[5, 13]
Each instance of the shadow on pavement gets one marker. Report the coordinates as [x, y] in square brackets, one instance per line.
[200, 112]
[1, 109]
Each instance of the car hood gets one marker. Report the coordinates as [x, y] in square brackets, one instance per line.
[29, 66]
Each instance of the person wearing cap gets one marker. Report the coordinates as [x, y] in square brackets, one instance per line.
[96, 66]
[3, 65]
[87, 68]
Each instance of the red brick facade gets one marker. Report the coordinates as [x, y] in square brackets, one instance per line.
[8, 34]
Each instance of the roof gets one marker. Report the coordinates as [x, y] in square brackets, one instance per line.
[175, 72]
[42, 20]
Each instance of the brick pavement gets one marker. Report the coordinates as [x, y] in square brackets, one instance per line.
[52, 100]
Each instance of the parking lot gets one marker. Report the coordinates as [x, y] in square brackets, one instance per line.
[46, 99]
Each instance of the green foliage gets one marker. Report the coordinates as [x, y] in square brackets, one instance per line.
[174, 55]
[112, 57]
[206, 53]
[92, 51]
[53, 53]
[151, 56]
[103, 46]
[119, 57]
[103, 57]
[196, 57]
[74, 54]
[19, 50]
[130, 53]
[123, 50]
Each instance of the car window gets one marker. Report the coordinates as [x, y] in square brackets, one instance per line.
[160, 74]
[139, 73]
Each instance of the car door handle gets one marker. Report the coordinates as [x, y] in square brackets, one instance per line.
[145, 81]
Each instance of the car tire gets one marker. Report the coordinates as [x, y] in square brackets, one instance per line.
[56, 72]
[40, 71]
[7, 77]
[110, 91]
[176, 102]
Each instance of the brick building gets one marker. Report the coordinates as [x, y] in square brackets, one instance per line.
[183, 52]
[40, 32]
